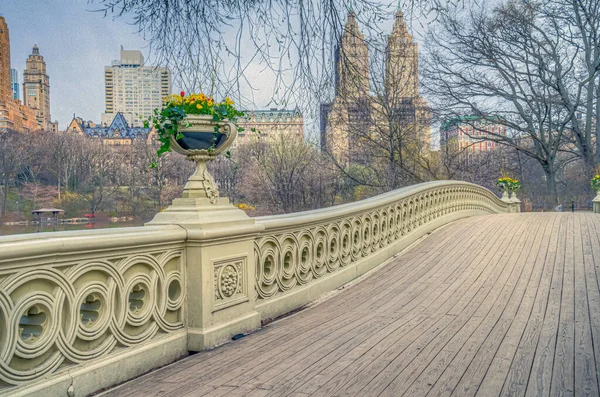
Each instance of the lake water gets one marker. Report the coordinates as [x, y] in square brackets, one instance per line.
[99, 224]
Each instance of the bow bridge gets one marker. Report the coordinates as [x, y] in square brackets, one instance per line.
[436, 289]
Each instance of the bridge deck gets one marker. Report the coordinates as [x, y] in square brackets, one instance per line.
[504, 305]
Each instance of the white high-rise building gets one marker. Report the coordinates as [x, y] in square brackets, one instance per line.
[133, 88]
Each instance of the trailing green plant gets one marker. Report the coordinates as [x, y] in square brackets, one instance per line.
[514, 185]
[167, 120]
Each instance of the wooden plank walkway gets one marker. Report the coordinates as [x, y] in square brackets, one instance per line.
[501, 305]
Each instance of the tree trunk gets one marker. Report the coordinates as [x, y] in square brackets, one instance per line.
[551, 185]
[5, 198]
[58, 186]
[597, 116]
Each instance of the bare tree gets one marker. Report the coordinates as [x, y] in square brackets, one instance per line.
[10, 163]
[285, 175]
[100, 182]
[503, 66]
[578, 24]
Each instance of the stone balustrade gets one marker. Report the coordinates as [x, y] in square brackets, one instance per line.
[84, 310]
[72, 298]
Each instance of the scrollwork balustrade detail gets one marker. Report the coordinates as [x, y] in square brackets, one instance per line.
[59, 315]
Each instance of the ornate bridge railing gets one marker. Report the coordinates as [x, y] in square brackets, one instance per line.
[80, 311]
[296, 252]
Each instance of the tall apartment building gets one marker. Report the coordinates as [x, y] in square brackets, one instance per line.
[356, 112]
[5, 81]
[13, 115]
[36, 88]
[14, 79]
[134, 89]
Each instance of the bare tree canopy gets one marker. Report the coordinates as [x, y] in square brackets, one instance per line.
[238, 47]
[530, 66]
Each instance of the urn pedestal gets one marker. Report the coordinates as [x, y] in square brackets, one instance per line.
[596, 203]
[516, 202]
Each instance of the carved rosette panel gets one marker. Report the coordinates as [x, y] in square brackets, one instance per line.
[60, 315]
[230, 282]
[296, 257]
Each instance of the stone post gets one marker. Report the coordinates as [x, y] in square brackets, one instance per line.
[516, 203]
[220, 268]
[507, 200]
[596, 203]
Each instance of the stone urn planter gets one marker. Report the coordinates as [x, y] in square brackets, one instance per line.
[203, 140]
[200, 128]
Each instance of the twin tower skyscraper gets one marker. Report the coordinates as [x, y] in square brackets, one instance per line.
[359, 107]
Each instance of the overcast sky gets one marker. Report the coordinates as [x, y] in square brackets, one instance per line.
[76, 44]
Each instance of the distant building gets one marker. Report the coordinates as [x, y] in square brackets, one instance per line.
[5, 81]
[36, 89]
[271, 123]
[134, 89]
[470, 134]
[14, 80]
[117, 133]
[13, 115]
[356, 113]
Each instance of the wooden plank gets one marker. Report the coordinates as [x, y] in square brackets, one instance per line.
[499, 369]
[564, 356]
[540, 376]
[518, 374]
[591, 255]
[369, 365]
[319, 352]
[585, 367]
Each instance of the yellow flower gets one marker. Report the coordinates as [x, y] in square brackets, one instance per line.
[210, 102]
[228, 101]
[199, 106]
